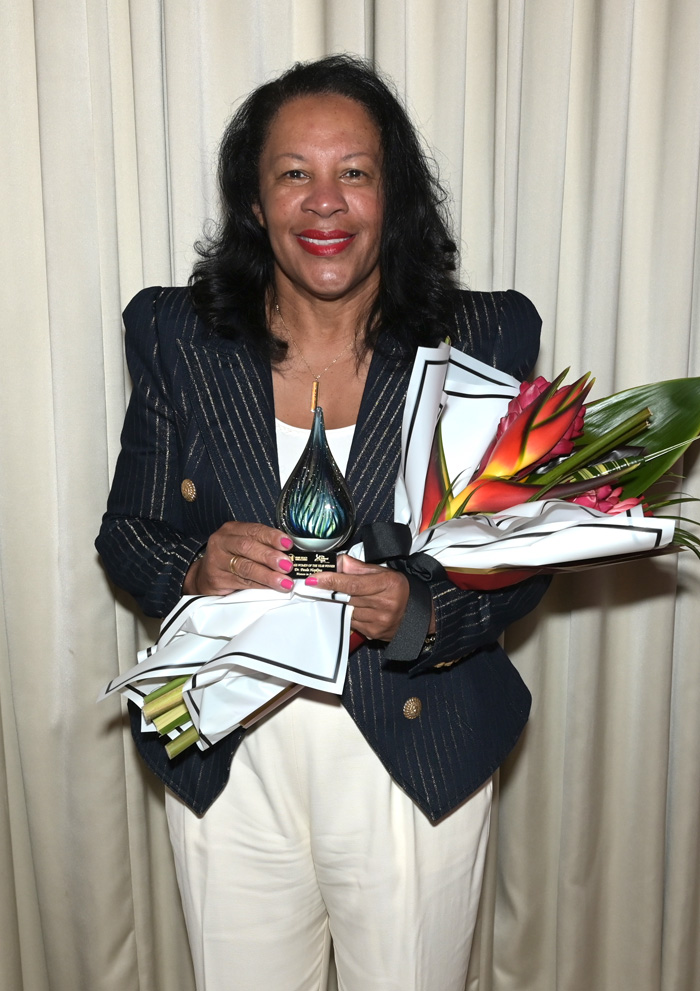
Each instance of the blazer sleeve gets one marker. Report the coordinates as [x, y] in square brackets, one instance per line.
[467, 620]
[141, 541]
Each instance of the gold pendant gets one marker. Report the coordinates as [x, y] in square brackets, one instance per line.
[314, 395]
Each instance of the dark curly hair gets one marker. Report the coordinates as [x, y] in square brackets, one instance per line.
[230, 284]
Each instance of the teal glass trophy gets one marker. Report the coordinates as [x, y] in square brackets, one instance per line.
[315, 507]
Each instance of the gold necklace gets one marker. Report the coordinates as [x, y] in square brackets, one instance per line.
[316, 378]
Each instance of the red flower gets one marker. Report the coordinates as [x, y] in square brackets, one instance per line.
[436, 482]
[606, 499]
[566, 445]
[529, 392]
[489, 495]
[541, 420]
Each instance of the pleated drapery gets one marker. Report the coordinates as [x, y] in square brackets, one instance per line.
[569, 134]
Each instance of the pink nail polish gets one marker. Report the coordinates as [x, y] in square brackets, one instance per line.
[311, 580]
[286, 584]
[287, 543]
[285, 564]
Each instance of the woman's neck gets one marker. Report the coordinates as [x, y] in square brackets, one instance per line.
[317, 323]
[324, 346]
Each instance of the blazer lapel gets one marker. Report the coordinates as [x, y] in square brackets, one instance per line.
[232, 402]
[375, 454]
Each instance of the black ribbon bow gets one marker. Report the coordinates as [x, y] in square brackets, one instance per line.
[391, 543]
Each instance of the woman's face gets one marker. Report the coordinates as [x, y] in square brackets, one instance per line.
[321, 198]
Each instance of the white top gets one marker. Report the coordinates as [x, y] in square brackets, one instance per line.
[291, 441]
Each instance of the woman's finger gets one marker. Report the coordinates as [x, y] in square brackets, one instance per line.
[348, 565]
[241, 555]
[379, 597]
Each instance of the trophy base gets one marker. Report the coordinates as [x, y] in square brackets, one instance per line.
[311, 562]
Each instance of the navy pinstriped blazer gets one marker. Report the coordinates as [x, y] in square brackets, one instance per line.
[202, 409]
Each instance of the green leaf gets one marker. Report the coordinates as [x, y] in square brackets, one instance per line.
[617, 433]
[604, 469]
[655, 504]
[686, 539]
[675, 423]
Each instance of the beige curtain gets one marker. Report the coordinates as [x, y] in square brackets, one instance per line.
[569, 132]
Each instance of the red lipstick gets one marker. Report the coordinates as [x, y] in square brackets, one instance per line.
[324, 243]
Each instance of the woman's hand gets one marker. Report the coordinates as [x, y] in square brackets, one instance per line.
[379, 595]
[241, 555]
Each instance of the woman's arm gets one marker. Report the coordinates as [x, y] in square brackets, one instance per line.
[468, 620]
[147, 545]
[141, 540]
[502, 329]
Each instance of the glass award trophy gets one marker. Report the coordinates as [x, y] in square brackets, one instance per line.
[315, 508]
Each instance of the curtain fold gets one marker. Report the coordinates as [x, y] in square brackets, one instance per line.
[569, 134]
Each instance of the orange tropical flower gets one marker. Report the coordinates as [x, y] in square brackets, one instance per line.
[532, 435]
[488, 495]
[541, 423]
[437, 484]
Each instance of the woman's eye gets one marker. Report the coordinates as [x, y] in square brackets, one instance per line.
[295, 174]
[355, 174]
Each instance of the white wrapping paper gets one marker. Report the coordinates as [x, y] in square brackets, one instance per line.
[469, 398]
[243, 652]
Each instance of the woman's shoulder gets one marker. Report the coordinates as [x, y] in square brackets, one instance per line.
[500, 328]
[166, 302]
[496, 306]
[166, 313]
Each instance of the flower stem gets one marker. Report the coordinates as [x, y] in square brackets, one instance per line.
[181, 742]
[174, 717]
[167, 687]
[166, 701]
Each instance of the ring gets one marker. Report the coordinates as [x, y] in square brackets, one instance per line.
[231, 564]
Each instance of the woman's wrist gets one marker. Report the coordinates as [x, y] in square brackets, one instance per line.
[189, 585]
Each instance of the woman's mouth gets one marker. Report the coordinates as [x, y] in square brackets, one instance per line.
[324, 243]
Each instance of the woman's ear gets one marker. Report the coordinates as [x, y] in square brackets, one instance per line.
[259, 215]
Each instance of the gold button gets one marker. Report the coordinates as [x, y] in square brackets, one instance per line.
[189, 492]
[412, 708]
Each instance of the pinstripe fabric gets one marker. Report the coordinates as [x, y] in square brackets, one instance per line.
[202, 408]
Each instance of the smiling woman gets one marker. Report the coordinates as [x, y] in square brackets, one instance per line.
[320, 191]
[363, 819]
[320, 203]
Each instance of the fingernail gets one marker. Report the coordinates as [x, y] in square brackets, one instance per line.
[287, 543]
[311, 580]
[285, 564]
[286, 584]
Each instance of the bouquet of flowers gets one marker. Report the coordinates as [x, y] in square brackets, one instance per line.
[498, 480]
[518, 478]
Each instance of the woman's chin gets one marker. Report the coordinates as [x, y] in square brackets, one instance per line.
[334, 285]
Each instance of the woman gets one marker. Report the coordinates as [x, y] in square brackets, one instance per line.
[331, 265]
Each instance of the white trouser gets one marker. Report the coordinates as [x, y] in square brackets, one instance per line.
[312, 840]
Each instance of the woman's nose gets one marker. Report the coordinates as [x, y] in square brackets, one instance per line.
[325, 197]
